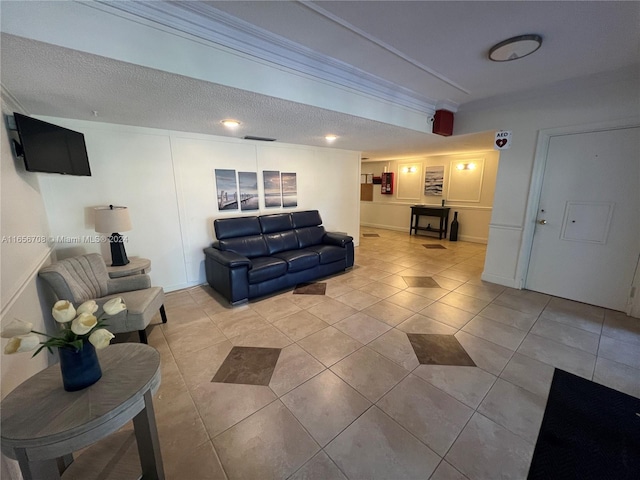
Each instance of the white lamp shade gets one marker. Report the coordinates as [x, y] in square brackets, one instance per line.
[112, 219]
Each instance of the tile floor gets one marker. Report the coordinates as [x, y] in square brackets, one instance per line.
[348, 397]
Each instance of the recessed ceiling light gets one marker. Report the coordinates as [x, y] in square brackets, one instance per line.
[230, 123]
[515, 48]
[330, 138]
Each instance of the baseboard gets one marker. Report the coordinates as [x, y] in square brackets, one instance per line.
[463, 238]
[182, 286]
[499, 280]
[466, 238]
[384, 227]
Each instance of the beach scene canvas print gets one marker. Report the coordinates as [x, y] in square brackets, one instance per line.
[227, 189]
[272, 192]
[248, 190]
[433, 180]
[289, 190]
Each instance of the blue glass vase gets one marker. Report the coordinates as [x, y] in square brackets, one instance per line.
[80, 368]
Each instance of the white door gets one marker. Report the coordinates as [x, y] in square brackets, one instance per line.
[587, 235]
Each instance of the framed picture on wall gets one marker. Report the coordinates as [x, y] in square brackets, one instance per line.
[227, 189]
[433, 180]
[289, 190]
[272, 191]
[248, 182]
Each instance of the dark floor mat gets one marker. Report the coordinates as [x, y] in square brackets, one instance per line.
[589, 431]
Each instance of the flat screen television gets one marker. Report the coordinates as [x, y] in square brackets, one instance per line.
[49, 148]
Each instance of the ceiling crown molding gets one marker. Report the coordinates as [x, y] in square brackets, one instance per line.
[343, 23]
[205, 22]
[11, 101]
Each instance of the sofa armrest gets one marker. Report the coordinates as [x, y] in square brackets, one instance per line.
[128, 284]
[226, 258]
[227, 273]
[338, 239]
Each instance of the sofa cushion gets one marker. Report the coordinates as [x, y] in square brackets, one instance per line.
[309, 236]
[266, 268]
[275, 223]
[309, 218]
[236, 227]
[298, 260]
[281, 241]
[328, 253]
[251, 246]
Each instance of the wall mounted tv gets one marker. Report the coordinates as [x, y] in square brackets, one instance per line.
[49, 148]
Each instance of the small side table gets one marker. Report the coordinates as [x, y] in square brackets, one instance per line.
[136, 265]
[42, 424]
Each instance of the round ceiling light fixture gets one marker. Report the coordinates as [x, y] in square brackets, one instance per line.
[230, 123]
[331, 138]
[515, 48]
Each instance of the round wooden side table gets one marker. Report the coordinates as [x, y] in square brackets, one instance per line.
[42, 424]
[135, 265]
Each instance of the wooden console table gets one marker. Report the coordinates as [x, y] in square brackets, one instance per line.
[425, 211]
[42, 424]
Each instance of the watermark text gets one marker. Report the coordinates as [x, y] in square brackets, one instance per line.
[49, 239]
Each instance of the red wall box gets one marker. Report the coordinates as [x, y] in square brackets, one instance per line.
[386, 187]
[443, 123]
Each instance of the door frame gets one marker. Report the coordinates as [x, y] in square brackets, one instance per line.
[535, 187]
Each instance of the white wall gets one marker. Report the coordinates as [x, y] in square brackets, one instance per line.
[393, 211]
[167, 180]
[22, 217]
[596, 99]
[23, 220]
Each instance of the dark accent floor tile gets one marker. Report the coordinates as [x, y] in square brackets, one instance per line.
[248, 365]
[318, 288]
[421, 282]
[370, 235]
[434, 245]
[432, 349]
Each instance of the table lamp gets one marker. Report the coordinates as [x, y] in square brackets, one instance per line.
[113, 219]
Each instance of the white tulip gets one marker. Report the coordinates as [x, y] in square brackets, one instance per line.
[63, 311]
[16, 327]
[21, 343]
[101, 338]
[114, 306]
[89, 306]
[83, 323]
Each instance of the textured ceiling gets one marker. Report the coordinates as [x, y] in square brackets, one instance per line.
[436, 50]
[404, 41]
[61, 82]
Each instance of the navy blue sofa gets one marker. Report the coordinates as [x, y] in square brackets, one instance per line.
[255, 256]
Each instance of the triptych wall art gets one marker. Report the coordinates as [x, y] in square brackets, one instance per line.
[280, 189]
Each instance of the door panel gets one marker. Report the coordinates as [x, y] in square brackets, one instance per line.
[587, 236]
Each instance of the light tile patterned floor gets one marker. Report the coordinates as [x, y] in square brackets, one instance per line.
[348, 397]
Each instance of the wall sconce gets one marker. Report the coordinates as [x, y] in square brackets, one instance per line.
[409, 170]
[466, 166]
